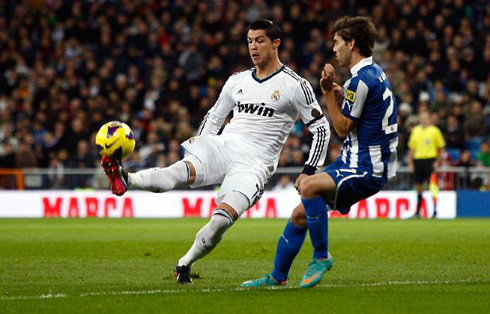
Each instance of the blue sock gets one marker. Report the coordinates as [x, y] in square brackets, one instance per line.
[288, 247]
[317, 222]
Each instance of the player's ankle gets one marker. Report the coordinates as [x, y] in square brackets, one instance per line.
[279, 282]
[125, 174]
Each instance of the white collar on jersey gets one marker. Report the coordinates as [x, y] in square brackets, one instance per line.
[359, 65]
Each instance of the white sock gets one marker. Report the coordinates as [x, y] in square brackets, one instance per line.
[160, 179]
[206, 239]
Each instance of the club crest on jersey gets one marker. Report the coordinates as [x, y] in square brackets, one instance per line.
[350, 95]
[276, 95]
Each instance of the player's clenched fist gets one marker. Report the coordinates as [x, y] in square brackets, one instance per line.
[328, 76]
[337, 89]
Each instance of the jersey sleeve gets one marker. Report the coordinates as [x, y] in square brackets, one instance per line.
[412, 139]
[213, 120]
[311, 114]
[354, 97]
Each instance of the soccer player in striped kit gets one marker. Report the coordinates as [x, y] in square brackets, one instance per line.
[367, 120]
[265, 100]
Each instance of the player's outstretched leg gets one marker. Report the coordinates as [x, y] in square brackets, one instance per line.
[206, 240]
[165, 179]
[118, 177]
[288, 247]
[317, 222]
[179, 174]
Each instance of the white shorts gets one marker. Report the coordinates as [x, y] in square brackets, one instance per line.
[227, 161]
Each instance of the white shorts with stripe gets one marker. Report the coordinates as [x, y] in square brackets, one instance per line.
[226, 160]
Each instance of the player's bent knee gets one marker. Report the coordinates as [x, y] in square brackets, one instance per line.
[192, 172]
[298, 217]
[196, 170]
[308, 188]
[235, 203]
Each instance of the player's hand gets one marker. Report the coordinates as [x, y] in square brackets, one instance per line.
[328, 77]
[435, 165]
[298, 181]
[338, 90]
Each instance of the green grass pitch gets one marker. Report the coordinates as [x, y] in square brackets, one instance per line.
[126, 266]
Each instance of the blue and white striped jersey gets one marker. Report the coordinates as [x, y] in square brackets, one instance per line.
[368, 100]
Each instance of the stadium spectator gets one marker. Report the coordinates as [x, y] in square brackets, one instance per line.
[475, 122]
[483, 159]
[83, 158]
[454, 134]
[7, 158]
[25, 158]
[483, 156]
[285, 183]
[55, 173]
[465, 179]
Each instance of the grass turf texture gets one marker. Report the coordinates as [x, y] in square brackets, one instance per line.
[127, 266]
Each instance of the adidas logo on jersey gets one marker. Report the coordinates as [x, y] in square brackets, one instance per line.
[258, 109]
[240, 92]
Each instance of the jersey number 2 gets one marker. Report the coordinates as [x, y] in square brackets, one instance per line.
[389, 128]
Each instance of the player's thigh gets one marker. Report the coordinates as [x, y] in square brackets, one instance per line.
[321, 184]
[245, 183]
[355, 187]
[423, 169]
[418, 171]
[209, 157]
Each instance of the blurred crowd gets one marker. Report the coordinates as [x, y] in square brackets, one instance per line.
[67, 67]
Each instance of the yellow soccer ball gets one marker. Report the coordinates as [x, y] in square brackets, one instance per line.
[115, 139]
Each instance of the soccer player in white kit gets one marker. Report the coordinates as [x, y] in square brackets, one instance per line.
[266, 101]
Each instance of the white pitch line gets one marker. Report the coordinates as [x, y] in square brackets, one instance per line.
[394, 283]
[177, 291]
[35, 297]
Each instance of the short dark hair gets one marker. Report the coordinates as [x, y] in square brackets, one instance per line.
[359, 28]
[272, 30]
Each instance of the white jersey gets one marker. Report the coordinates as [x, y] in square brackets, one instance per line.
[264, 113]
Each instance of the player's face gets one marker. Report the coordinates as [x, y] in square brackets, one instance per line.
[260, 47]
[343, 51]
[424, 118]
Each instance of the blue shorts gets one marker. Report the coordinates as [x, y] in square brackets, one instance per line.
[352, 186]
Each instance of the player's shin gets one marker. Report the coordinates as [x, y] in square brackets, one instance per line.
[208, 237]
[160, 179]
[419, 204]
[289, 245]
[317, 222]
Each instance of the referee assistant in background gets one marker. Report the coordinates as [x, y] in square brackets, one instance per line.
[425, 144]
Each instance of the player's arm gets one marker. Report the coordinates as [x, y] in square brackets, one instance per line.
[213, 120]
[438, 161]
[342, 124]
[441, 144]
[411, 153]
[312, 116]
[412, 144]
